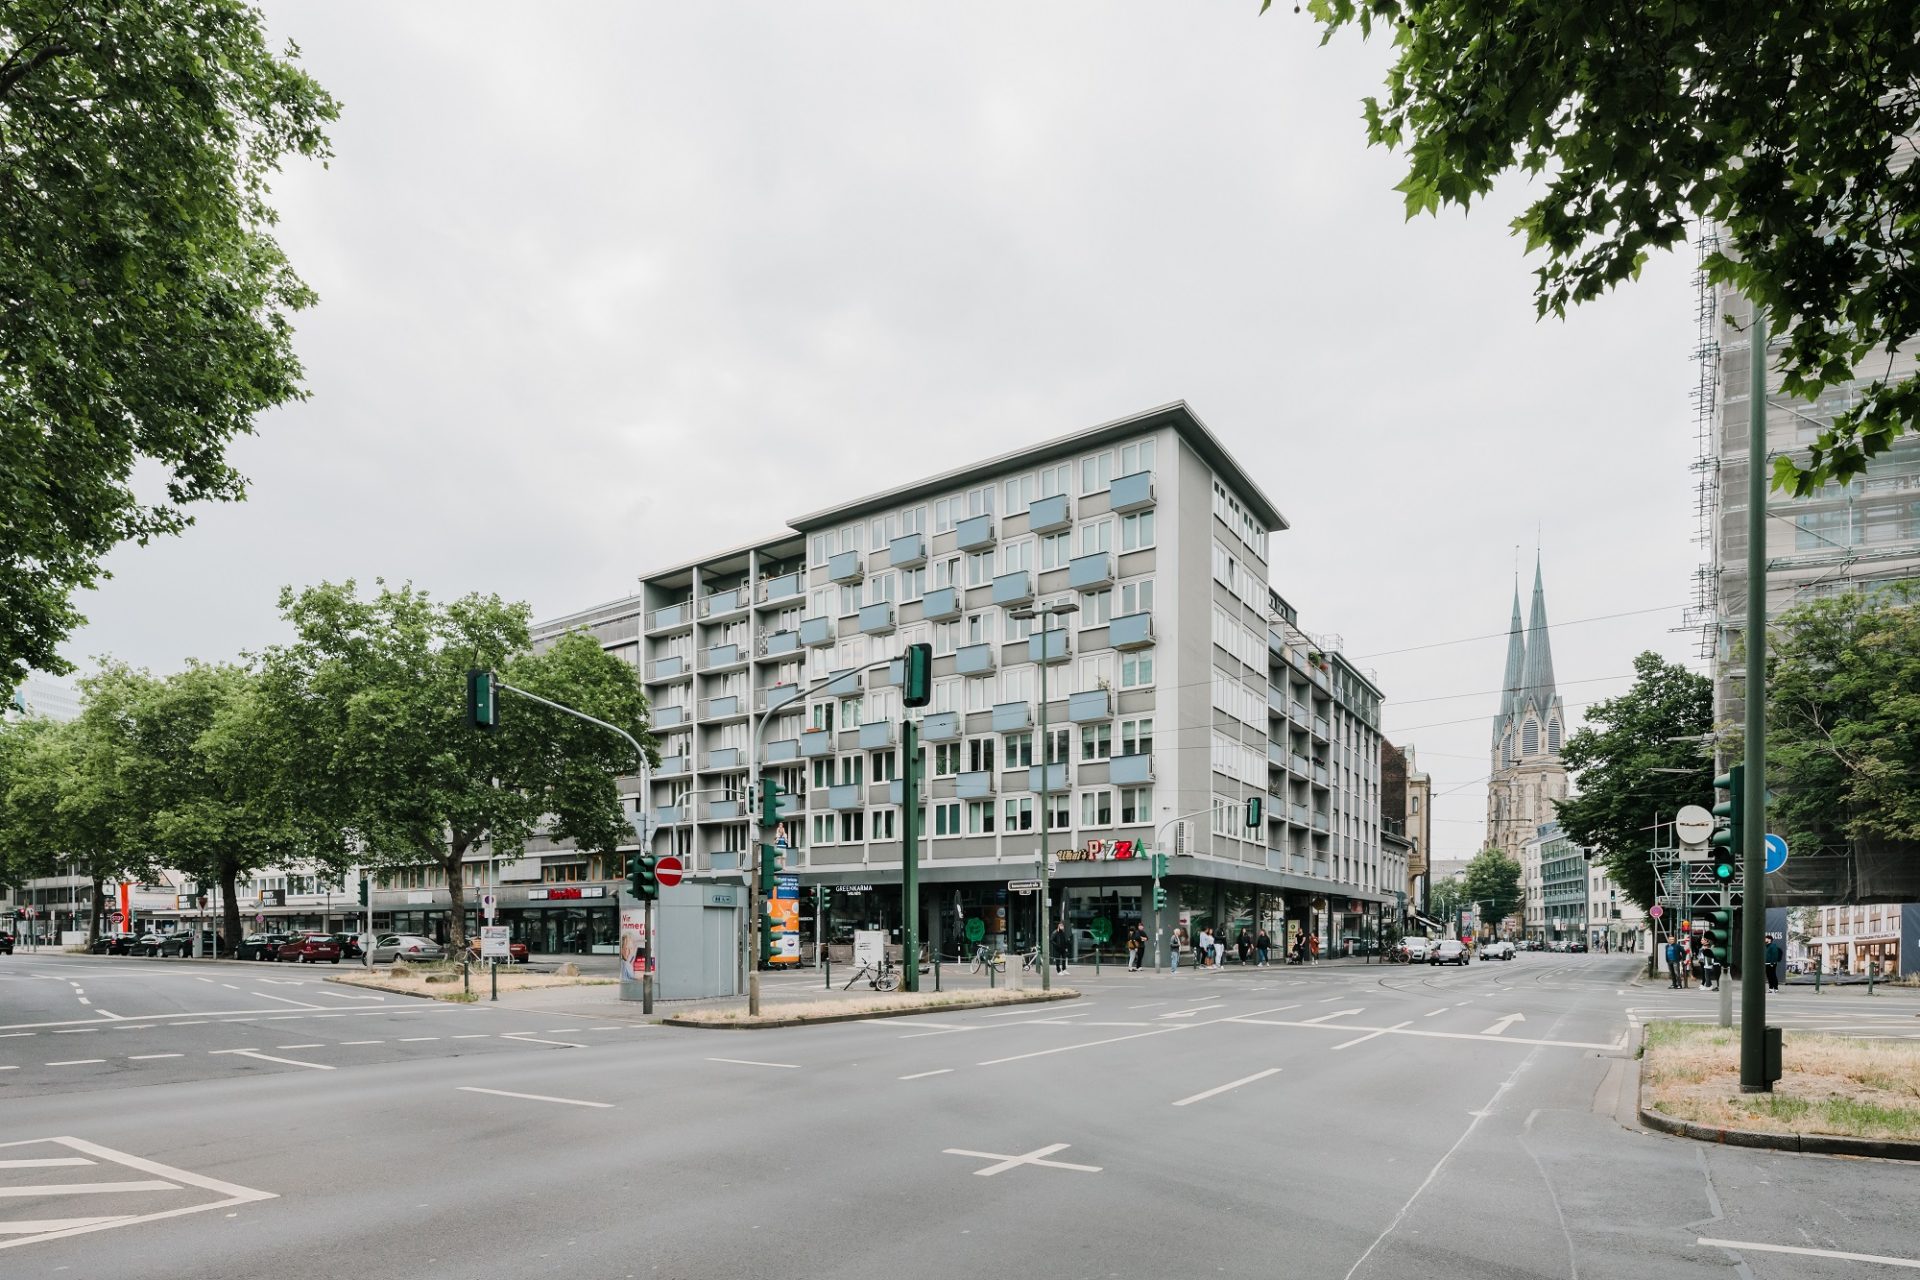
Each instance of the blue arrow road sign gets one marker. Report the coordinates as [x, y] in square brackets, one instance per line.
[1776, 853]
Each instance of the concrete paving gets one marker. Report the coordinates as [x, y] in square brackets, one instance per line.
[1344, 1121]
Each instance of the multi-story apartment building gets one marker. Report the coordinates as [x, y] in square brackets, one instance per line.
[1614, 921]
[1565, 889]
[1180, 688]
[1883, 939]
[1533, 899]
[1405, 797]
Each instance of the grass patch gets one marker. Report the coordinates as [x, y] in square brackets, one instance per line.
[1829, 1084]
[412, 980]
[462, 997]
[895, 1002]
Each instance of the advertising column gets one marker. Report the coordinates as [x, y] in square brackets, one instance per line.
[783, 921]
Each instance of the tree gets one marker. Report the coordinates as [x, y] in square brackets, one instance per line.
[1787, 124]
[1493, 884]
[145, 310]
[1616, 760]
[1843, 720]
[372, 694]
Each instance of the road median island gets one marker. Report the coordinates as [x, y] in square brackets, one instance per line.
[900, 1005]
[442, 982]
[1837, 1095]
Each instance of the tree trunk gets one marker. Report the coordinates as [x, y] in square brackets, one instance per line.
[229, 905]
[99, 910]
[454, 866]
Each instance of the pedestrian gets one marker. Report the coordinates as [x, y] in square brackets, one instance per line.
[1245, 945]
[1262, 945]
[1179, 945]
[1775, 953]
[1673, 963]
[1060, 942]
[1220, 949]
[1313, 948]
[1136, 947]
[1206, 947]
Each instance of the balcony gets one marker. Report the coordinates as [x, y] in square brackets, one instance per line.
[876, 734]
[1132, 493]
[1297, 815]
[816, 633]
[1277, 702]
[974, 533]
[941, 726]
[940, 605]
[908, 551]
[783, 749]
[1091, 704]
[672, 767]
[781, 642]
[974, 660]
[1011, 589]
[1131, 631]
[674, 615]
[842, 684]
[1276, 755]
[721, 655]
[897, 794]
[729, 707]
[1009, 717]
[673, 668]
[1299, 765]
[784, 587]
[1319, 820]
[726, 758]
[1298, 713]
[775, 696]
[1320, 777]
[1049, 515]
[668, 717]
[816, 742]
[1320, 728]
[1130, 770]
[850, 796]
[1053, 777]
[974, 786]
[1049, 646]
[877, 619]
[847, 567]
[670, 814]
[725, 810]
[1089, 573]
[721, 603]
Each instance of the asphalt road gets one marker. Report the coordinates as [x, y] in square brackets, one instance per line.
[1330, 1122]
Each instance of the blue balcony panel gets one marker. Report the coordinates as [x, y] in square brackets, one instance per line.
[974, 786]
[1132, 493]
[848, 566]
[816, 633]
[667, 668]
[782, 642]
[674, 615]
[842, 684]
[671, 767]
[1131, 631]
[877, 619]
[669, 814]
[723, 655]
[876, 734]
[1130, 770]
[667, 717]
[1089, 573]
[850, 796]
[1089, 704]
[909, 551]
[816, 742]
[775, 696]
[724, 708]
[1049, 646]
[724, 810]
[1011, 716]
[940, 605]
[941, 726]
[1057, 777]
[1297, 815]
[723, 602]
[1014, 588]
[974, 533]
[726, 758]
[974, 660]
[1050, 515]
[784, 587]
[783, 749]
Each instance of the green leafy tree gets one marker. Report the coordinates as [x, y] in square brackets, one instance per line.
[1843, 720]
[1447, 899]
[1787, 124]
[1617, 761]
[145, 310]
[372, 697]
[1493, 884]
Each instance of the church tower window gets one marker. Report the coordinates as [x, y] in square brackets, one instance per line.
[1530, 737]
[1553, 736]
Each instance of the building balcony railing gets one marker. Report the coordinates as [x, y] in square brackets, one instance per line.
[941, 604]
[973, 660]
[847, 567]
[1131, 493]
[666, 717]
[1130, 770]
[974, 533]
[1321, 778]
[877, 619]
[1089, 704]
[842, 684]
[848, 796]
[1091, 572]
[1297, 815]
[1276, 755]
[673, 615]
[1299, 765]
[1049, 646]
[816, 742]
[1277, 702]
[1010, 717]
[908, 551]
[720, 603]
[1320, 821]
[726, 758]
[731, 706]
[1016, 588]
[1298, 713]
[1320, 728]
[816, 633]
[941, 726]
[1131, 631]
[775, 696]
[670, 814]
[876, 734]
[974, 786]
[1049, 515]
[1054, 777]
[721, 655]
[725, 810]
[783, 749]
[784, 587]
[673, 767]
[780, 642]
[674, 667]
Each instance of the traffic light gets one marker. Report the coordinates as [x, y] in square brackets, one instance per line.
[1159, 898]
[1720, 937]
[1728, 840]
[769, 868]
[1253, 812]
[1159, 866]
[363, 890]
[916, 678]
[769, 803]
[642, 880]
[483, 708]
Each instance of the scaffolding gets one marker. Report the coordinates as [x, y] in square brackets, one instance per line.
[1702, 616]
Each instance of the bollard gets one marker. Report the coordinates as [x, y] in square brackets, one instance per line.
[1870, 968]
[466, 979]
[493, 971]
[1096, 959]
[1817, 966]
[829, 966]
[936, 971]
[989, 975]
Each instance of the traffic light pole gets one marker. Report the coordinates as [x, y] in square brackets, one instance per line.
[1753, 991]
[1726, 971]
[910, 854]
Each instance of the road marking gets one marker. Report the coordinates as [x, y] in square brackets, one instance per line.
[922, 1075]
[50, 1163]
[298, 1004]
[1111, 1024]
[143, 1057]
[527, 1037]
[1404, 1030]
[533, 1097]
[1370, 1035]
[1151, 1004]
[1091, 1044]
[748, 1062]
[229, 986]
[75, 1031]
[84, 1000]
[179, 1178]
[1188, 1013]
[471, 1035]
[1436, 1013]
[1325, 1017]
[1014, 1013]
[416, 1039]
[267, 1057]
[1014, 1162]
[35, 1227]
[76, 1062]
[86, 1188]
[1234, 1084]
[1500, 1028]
[1756, 1247]
[871, 1022]
[315, 1045]
[363, 1042]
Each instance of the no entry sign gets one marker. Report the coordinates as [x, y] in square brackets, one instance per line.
[668, 871]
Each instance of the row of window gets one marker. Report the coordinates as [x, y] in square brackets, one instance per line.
[1240, 520]
[1098, 810]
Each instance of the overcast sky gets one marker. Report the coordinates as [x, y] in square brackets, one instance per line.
[606, 286]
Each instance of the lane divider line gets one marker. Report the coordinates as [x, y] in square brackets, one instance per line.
[1231, 1084]
[534, 1097]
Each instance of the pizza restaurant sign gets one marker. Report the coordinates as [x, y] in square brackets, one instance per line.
[1104, 851]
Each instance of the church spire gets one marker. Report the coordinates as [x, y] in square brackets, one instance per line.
[1540, 693]
[1514, 684]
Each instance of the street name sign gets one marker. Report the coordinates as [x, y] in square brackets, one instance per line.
[1023, 886]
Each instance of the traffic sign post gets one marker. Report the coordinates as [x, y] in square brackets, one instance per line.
[1776, 852]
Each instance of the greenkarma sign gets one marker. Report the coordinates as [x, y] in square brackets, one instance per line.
[1101, 928]
[976, 929]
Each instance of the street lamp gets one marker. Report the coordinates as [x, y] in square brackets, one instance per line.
[1044, 612]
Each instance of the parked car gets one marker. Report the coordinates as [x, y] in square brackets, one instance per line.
[260, 946]
[177, 943]
[1496, 950]
[405, 946]
[310, 948]
[115, 944]
[1576, 946]
[516, 950]
[1415, 950]
[1450, 951]
[6, 944]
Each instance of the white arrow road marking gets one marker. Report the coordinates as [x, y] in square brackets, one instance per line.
[1756, 1247]
[33, 1227]
[51, 1163]
[1232, 1084]
[527, 1037]
[1339, 1013]
[1500, 1028]
[86, 1188]
[1188, 1013]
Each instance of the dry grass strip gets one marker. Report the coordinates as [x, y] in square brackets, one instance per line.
[1829, 1084]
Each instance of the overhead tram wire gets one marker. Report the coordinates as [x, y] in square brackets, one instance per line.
[1502, 635]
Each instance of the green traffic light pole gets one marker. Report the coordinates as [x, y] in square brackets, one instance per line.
[1754, 1077]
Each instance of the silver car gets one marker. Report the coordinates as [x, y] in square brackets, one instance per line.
[404, 946]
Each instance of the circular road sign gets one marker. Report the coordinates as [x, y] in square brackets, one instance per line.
[976, 929]
[668, 871]
[1656, 911]
[1101, 928]
[1776, 852]
[1693, 824]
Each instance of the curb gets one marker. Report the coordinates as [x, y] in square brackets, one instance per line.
[411, 995]
[768, 1024]
[1813, 1144]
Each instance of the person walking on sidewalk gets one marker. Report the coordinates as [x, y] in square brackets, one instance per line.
[1059, 944]
[1179, 945]
[1674, 971]
[1136, 947]
[1775, 953]
[1262, 946]
[1206, 946]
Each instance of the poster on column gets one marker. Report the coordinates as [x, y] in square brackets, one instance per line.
[635, 955]
[783, 920]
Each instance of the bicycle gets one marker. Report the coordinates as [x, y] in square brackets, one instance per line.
[985, 957]
[884, 978]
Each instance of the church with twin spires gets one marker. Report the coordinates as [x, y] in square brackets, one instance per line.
[1527, 775]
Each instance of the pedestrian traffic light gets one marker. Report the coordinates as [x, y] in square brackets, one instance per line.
[483, 709]
[363, 890]
[769, 803]
[1728, 840]
[1253, 812]
[643, 881]
[1159, 898]
[1159, 866]
[1720, 937]
[916, 680]
[769, 868]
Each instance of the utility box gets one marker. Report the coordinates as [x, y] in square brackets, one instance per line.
[1772, 1063]
[698, 940]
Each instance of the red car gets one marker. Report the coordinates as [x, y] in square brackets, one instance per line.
[310, 948]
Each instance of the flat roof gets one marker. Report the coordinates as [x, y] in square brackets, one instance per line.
[1178, 415]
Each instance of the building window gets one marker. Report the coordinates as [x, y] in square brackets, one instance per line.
[1016, 556]
[1096, 608]
[1019, 750]
[1136, 737]
[882, 765]
[1136, 531]
[1096, 472]
[563, 872]
[823, 828]
[979, 755]
[1055, 550]
[1059, 811]
[946, 759]
[946, 818]
[1136, 805]
[1136, 597]
[882, 823]
[1096, 741]
[979, 568]
[1096, 809]
[1136, 669]
[1096, 536]
[980, 817]
[1136, 457]
[853, 827]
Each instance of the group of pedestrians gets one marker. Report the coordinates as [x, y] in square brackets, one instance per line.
[1252, 947]
[1688, 958]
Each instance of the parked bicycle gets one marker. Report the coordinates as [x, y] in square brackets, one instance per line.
[986, 957]
[884, 977]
